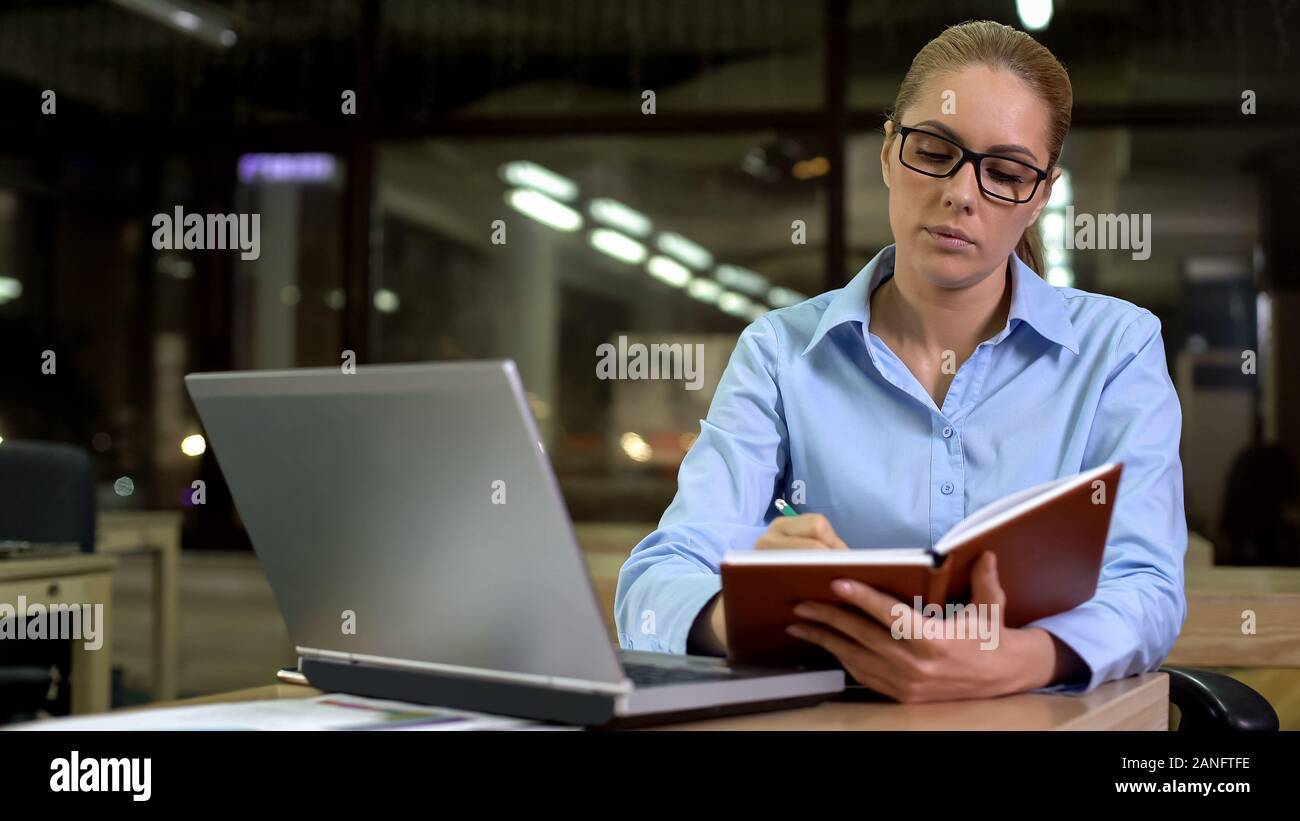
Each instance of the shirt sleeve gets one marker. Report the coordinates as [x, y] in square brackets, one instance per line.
[725, 489]
[1129, 626]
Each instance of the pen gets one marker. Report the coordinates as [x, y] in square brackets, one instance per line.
[786, 508]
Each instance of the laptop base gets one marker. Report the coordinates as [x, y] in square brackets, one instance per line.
[511, 698]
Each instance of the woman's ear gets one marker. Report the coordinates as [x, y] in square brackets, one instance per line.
[1045, 194]
[885, 156]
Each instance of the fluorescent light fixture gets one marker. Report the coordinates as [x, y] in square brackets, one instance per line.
[669, 271]
[199, 20]
[756, 309]
[1062, 191]
[544, 209]
[704, 289]
[524, 174]
[619, 246]
[742, 279]
[1060, 276]
[694, 255]
[617, 215]
[10, 288]
[1055, 256]
[1034, 14]
[784, 297]
[1053, 228]
[734, 304]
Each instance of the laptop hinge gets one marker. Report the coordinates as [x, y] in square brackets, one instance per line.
[484, 674]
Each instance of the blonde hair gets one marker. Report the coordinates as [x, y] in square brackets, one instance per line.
[983, 42]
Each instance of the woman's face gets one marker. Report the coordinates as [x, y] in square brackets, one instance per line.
[985, 110]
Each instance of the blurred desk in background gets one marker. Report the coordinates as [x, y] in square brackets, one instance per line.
[75, 580]
[157, 532]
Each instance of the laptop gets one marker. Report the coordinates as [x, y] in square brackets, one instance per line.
[419, 549]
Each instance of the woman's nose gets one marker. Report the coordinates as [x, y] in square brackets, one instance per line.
[962, 188]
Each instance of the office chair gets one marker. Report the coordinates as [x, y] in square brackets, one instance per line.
[1213, 702]
[47, 495]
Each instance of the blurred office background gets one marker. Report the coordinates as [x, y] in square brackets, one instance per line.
[382, 140]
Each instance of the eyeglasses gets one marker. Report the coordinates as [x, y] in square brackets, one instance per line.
[999, 177]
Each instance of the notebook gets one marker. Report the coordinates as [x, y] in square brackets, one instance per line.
[1049, 540]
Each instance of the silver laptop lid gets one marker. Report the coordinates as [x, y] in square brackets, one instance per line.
[418, 499]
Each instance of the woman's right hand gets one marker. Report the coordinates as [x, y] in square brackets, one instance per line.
[807, 531]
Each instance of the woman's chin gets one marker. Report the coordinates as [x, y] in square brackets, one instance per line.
[943, 271]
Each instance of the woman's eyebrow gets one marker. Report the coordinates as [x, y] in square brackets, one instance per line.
[1006, 148]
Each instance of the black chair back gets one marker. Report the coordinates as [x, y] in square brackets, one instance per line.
[47, 494]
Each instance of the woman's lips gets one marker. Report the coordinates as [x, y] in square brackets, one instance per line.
[948, 241]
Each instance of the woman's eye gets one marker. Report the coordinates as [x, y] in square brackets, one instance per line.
[929, 155]
[1000, 177]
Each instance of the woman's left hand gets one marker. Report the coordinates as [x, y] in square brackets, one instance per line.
[896, 650]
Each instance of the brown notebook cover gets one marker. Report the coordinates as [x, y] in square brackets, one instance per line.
[1049, 541]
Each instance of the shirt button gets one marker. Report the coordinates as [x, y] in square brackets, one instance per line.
[947, 431]
[946, 488]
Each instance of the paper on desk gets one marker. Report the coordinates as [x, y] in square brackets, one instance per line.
[335, 711]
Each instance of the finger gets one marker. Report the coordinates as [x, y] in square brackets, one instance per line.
[779, 542]
[866, 675]
[860, 628]
[986, 587]
[812, 526]
[881, 606]
[861, 664]
[847, 651]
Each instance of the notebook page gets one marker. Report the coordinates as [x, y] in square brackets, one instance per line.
[835, 557]
[1008, 507]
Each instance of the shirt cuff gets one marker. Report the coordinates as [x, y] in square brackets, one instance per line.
[1099, 637]
[667, 630]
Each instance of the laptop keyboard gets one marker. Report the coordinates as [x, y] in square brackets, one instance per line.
[650, 675]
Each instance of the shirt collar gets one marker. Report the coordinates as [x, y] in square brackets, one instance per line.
[1033, 301]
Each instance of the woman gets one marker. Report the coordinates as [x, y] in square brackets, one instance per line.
[946, 375]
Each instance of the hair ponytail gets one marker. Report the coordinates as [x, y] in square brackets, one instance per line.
[1030, 249]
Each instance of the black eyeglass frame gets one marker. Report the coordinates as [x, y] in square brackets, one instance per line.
[967, 155]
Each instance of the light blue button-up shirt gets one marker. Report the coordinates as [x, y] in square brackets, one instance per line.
[813, 407]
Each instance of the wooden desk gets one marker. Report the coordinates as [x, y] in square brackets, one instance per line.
[157, 532]
[83, 578]
[1216, 597]
[1137, 703]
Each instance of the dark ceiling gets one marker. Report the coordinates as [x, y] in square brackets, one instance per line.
[424, 61]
